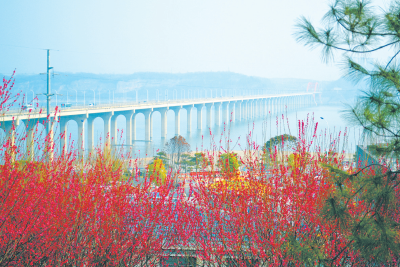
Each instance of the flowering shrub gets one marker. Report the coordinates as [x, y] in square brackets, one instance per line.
[68, 211]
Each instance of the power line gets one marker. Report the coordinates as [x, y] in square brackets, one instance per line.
[59, 50]
[28, 47]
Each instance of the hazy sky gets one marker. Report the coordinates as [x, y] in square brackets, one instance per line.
[125, 36]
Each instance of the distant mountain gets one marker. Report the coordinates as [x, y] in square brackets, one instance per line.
[151, 86]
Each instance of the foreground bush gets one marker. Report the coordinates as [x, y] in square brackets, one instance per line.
[302, 207]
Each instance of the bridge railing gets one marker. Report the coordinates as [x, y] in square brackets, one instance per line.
[133, 104]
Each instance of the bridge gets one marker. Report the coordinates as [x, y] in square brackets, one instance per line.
[223, 109]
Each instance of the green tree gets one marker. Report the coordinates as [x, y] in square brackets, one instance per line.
[281, 141]
[354, 28]
[186, 161]
[199, 160]
[228, 163]
[156, 171]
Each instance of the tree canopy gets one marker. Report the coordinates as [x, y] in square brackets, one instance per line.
[354, 28]
[228, 163]
[156, 171]
[284, 140]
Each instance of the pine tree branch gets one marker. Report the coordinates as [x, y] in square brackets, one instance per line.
[360, 52]
[390, 61]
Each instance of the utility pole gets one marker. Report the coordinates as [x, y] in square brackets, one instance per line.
[48, 94]
[48, 91]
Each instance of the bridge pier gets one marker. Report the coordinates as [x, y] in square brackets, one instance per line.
[251, 110]
[128, 117]
[151, 125]
[256, 108]
[10, 128]
[177, 119]
[244, 109]
[238, 110]
[134, 127]
[107, 127]
[209, 110]
[90, 130]
[217, 113]
[189, 117]
[264, 108]
[147, 124]
[232, 111]
[225, 111]
[81, 134]
[199, 108]
[30, 138]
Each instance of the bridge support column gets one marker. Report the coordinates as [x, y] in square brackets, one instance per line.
[297, 102]
[90, 130]
[225, 112]
[277, 105]
[134, 127]
[209, 109]
[107, 128]
[264, 108]
[294, 103]
[151, 126]
[232, 112]
[114, 131]
[248, 110]
[238, 110]
[244, 110]
[189, 117]
[251, 110]
[10, 128]
[64, 135]
[280, 105]
[128, 139]
[177, 120]
[256, 109]
[217, 113]
[269, 107]
[30, 141]
[199, 115]
[81, 135]
[147, 122]
[284, 105]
